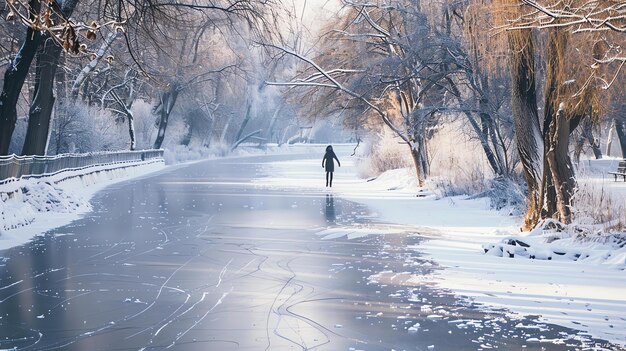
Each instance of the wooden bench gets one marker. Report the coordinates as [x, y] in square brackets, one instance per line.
[621, 171]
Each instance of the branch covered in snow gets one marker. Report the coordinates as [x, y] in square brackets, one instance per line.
[578, 16]
[334, 84]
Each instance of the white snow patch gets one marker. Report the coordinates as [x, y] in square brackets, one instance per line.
[354, 232]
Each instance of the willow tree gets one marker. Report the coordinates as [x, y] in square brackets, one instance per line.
[569, 96]
[526, 119]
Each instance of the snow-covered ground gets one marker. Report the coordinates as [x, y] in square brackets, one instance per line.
[583, 293]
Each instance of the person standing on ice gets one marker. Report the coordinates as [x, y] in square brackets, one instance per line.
[329, 164]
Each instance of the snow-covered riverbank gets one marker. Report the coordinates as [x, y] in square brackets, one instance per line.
[586, 294]
[33, 206]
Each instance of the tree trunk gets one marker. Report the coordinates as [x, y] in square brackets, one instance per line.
[560, 165]
[609, 138]
[206, 141]
[483, 130]
[168, 99]
[483, 136]
[555, 54]
[494, 134]
[526, 120]
[578, 148]
[189, 133]
[41, 107]
[416, 124]
[270, 129]
[244, 123]
[244, 138]
[43, 99]
[588, 133]
[417, 162]
[225, 130]
[14, 78]
[128, 105]
[131, 130]
[620, 129]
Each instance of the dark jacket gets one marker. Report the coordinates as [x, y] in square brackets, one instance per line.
[328, 161]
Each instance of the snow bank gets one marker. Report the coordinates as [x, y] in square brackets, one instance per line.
[595, 237]
[555, 241]
[584, 293]
[572, 276]
[27, 204]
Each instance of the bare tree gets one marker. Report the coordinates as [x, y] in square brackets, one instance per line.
[144, 23]
[14, 77]
[122, 104]
[579, 16]
[399, 68]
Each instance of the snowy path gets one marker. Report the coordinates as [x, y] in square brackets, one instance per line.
[202, 258]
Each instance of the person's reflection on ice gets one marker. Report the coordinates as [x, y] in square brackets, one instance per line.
[329, 212]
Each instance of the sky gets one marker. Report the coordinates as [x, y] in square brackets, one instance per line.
[313, 13]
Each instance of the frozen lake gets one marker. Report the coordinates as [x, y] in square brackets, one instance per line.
[200, 258]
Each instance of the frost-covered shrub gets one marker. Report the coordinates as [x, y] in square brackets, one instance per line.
[594, 203]
[502, 192]
[505, 193]
[385, 152]
[79, 128]
[145, 126]
[457, 163]
[463, 181]
[14, 212]
[181, 153]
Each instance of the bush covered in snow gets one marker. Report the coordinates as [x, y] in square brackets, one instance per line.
[57, 199]
[382, 153]
[598, 200]
[457, 165]
[180, 153]
[595, 204]
[79, 128]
